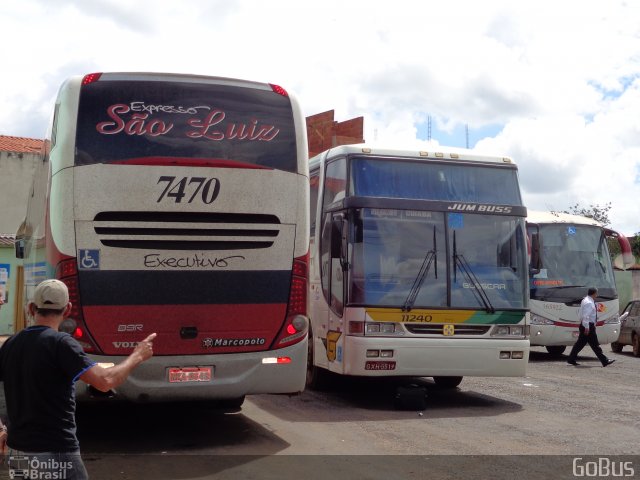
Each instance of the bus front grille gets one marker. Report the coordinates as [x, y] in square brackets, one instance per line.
[186, 231]
[458, 329]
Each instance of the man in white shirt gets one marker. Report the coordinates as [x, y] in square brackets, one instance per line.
[588, 316]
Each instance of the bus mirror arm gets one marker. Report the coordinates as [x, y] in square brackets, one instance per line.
[344, 228]
[19, 242]
[535, 263]
[19, 246]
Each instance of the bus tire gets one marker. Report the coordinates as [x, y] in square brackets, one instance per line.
[635, 342]
[616, 347]
[231, 403]
[317, 377]
[556, 349]
[447, 382]
[410, 397]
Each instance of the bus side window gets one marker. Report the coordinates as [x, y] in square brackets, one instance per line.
[335, 181]
[338, 265]
[314, 182]
[332, 274]
[325, 255]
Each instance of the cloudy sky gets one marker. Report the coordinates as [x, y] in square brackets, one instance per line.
[553, 84]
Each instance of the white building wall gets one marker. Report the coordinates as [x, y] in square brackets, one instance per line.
[16, 173]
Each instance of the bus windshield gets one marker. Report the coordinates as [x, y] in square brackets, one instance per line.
[432, 259]
[184, 122]
[572, 258]
[373, 177]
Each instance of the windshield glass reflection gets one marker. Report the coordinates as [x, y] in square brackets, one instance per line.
[572, 258]
[403, 259]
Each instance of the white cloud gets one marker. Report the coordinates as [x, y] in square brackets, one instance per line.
[560, 77]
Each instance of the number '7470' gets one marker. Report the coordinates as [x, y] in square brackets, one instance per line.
[201, 188]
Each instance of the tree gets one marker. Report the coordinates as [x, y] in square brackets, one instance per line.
[599, 213]
[635, 244]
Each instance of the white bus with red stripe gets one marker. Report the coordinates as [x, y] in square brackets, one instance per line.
[569, 255]
[177, 204]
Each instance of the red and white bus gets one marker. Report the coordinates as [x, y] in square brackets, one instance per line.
[178, 204]
[569, 255]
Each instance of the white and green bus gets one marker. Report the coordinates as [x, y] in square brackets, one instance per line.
[418, 265]
[177, 204]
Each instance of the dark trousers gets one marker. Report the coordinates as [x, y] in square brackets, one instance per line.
[592, 339]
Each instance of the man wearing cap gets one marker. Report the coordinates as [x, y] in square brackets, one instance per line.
[39, 367]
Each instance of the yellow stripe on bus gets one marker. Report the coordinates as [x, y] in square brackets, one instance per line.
[419, 316]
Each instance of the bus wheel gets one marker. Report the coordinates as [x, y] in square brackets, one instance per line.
[635, 341]
[556, 349]
[317, 378]
[447, 382]
[231, 403]
[616, 347]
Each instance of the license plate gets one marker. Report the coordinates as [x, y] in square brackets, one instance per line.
[190, 374]
[379, 365]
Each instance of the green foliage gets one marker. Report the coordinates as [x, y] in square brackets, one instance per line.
[600, 213]
[635, 244]
[614, 247]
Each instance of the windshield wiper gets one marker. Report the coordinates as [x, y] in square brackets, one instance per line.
[478, 291]
[422, 274]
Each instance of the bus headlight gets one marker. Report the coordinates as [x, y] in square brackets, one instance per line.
[509, 331]
[382, 328]
[516, 330]
[614, 320]
[500, 330]
[540, 320]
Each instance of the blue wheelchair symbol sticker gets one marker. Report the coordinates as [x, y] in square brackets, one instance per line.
[571, 230]
[89, 259]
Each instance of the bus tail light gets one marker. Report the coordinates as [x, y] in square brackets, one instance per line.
[276, 360]
[279, 90]
[90, 78]
[296, 325]
[67, 272]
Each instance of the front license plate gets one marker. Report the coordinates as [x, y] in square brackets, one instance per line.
[379, 365]
[190, 374]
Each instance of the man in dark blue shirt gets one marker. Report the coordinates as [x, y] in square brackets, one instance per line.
[39, 367]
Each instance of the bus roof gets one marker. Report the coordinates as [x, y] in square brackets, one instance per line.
[536, 216]
[171, 77]
[449, 153]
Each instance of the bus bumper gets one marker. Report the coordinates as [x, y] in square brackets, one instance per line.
[234, 375]
[425, 357]
[552, 335]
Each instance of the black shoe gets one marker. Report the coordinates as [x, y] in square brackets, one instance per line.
[608, 362]
[573, 362]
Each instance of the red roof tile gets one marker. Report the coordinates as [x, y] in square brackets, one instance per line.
[20, 144]
[6, 239]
